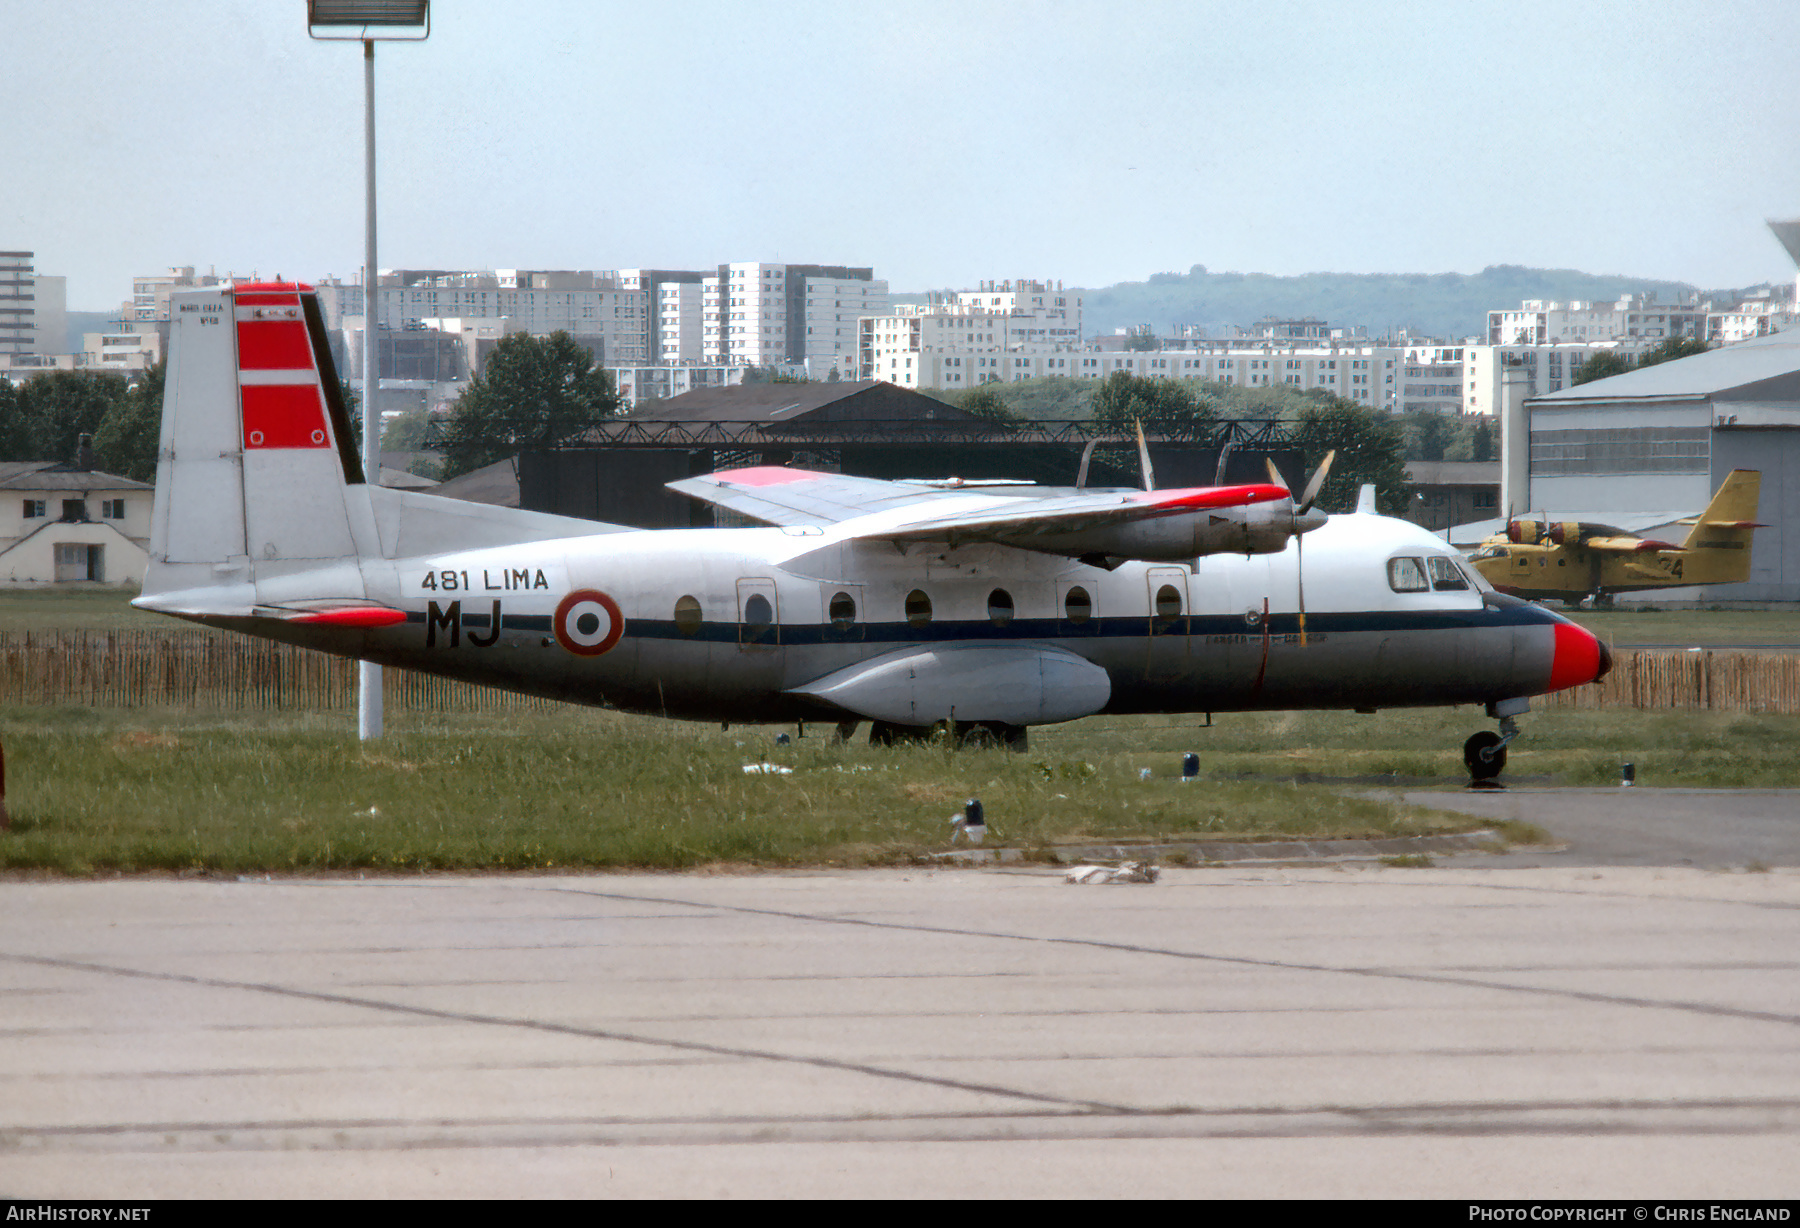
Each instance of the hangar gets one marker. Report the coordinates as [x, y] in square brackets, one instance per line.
[1644, 449]
[870, 428]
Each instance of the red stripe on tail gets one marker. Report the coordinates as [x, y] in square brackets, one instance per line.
[284, 416]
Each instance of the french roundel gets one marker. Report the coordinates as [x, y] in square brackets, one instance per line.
[588, 622]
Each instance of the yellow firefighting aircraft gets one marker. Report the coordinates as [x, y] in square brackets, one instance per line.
[1574, 560]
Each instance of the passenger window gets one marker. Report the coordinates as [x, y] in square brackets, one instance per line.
[1078, 607]
[1168, 602]
[1000, 607]
[687, 616]
[918, 608]
[1407, 576]
[842, 612]
[1446, 576]
[758, 613]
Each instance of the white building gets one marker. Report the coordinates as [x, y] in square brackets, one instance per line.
[1548, 368]
[60, 523]
[33, 309]
[958, 340]
[1635, 317]
[799, 316]
[150, 293]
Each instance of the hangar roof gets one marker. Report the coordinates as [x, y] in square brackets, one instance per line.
[1766, 369]
[783, 402]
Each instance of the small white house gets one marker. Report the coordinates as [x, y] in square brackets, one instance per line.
[60, 523]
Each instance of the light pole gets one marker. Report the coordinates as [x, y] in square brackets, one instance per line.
[367, 22]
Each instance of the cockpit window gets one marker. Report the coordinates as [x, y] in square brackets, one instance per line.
[1408, 576]
[1446, 576]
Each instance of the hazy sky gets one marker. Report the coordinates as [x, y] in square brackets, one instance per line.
[940, 142]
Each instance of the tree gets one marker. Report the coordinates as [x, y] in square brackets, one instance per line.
[1140, 338]
[127, 438]
[406, 432]
[1123, 398]
[1670, 350]
[1482, 445]
[1429, 436]
[1601, 365]
[534, 392]
[1370, 446]
[53, 410]
[984, 402]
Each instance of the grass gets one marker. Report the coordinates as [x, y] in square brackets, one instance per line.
[1570, 746]
[142, 790]
[1709, 628]
[78, 608]
[135, 791]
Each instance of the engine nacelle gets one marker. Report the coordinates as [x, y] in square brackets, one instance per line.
[1255, 528]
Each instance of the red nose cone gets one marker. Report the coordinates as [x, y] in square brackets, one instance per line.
[1579, 658]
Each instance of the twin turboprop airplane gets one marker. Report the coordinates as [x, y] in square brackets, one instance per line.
[904, 604]
[1575, 560]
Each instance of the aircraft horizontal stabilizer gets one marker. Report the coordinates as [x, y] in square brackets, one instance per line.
[924, 684]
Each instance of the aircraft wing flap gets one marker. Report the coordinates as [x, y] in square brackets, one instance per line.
[1629, 545]
[1073, 513]
[781, 496]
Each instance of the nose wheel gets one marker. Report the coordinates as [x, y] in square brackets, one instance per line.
[1484, 754]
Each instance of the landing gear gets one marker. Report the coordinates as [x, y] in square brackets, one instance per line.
[881, 733]
[991, 735]
[973, 735]
[1484, 754]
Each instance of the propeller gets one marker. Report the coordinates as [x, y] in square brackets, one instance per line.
[1307, 498]
[1144, 458]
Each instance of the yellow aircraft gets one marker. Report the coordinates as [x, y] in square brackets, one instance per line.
[1574, 560]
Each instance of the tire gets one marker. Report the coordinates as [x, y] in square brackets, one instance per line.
[1484, 756]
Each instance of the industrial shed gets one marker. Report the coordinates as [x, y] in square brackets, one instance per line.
[870, 428]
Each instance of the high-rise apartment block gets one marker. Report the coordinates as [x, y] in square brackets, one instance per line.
[33, 309]
[795, 315]
[957, 340]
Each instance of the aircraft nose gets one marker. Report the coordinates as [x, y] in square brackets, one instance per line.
[1578, 658]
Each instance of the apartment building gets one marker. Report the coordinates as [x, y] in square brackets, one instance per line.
[796, 315]
[1432, 379]
[149, 300]
[956, 340]
[1548, 368]
[33, 309]
[1635, 317]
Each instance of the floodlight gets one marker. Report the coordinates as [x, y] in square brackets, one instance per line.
[392, 18]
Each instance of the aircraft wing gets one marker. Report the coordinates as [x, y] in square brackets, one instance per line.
[781, 496]
[1090, 525]
[1627, 545]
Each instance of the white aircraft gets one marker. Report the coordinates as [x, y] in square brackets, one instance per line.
[903, 603]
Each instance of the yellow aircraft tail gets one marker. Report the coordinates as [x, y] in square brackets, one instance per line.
[1730, 519]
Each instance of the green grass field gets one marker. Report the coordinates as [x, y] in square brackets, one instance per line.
[1706, 628]
[96, 790]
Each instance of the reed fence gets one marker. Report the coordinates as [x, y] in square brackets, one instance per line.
[202, 669]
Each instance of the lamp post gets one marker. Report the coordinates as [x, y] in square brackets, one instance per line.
[369, 22]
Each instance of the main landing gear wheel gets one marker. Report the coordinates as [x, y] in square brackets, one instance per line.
[1484, 754]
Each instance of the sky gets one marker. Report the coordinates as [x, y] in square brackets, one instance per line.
[941, 143]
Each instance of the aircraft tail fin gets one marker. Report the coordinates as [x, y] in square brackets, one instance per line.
[258, 475]
[1730, 519]
[257, 470]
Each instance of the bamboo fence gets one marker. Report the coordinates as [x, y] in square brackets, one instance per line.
[202, 669]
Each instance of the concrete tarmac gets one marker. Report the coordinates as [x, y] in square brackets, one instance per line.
[1464, 1031]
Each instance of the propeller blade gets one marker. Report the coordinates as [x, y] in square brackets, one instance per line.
[1318, 481]
[1300, 581]
[1144, 468]
[1087, 454]
[1275, 475]
[1224, 459]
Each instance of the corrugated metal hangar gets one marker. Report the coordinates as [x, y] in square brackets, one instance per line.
[872, 429]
